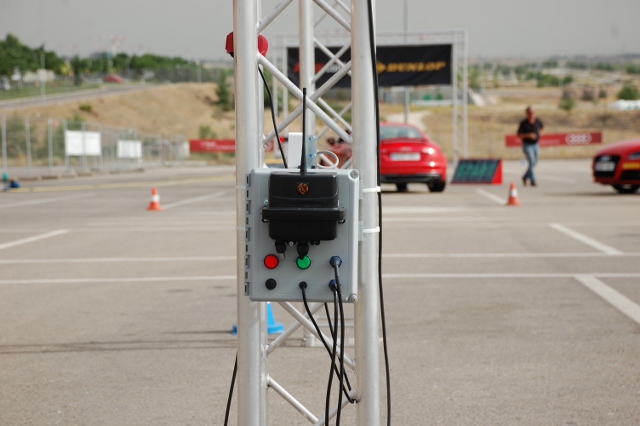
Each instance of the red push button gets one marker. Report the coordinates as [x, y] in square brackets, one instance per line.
[271, 261]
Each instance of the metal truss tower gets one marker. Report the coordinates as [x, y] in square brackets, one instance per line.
[254, 379]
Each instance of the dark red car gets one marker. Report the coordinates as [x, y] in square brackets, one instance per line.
[618, 165]
[113, 78]
[406, 156]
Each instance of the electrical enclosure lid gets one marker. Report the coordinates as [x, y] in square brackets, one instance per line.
[294, 225]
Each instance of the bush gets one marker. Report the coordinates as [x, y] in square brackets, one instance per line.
[602, 94]
[633, 69]
[629, 92]
[547, 80]
[567, 104]
[205, 132]
[86, 108]
[588, 94]
[225, 98]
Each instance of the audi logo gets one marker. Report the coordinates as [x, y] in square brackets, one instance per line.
[578, 139]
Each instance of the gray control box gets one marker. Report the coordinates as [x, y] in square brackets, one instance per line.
[264, 282]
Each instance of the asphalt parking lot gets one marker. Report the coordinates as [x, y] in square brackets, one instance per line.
[529, 315]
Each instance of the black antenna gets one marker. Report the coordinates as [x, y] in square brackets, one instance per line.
[303, 151]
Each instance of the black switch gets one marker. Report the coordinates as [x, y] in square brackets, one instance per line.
[271, 284]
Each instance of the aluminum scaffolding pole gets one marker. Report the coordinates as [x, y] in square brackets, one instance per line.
[307, 72]
[365, 160]
[251, 380]
[253, 377]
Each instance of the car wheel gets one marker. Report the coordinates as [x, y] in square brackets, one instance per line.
[437, 186]
[626, 189]
[402, 187]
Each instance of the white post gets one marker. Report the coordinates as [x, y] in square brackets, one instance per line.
[27, 131]
[50, 140]
[407, 89]
[4, 145]
[102, 151]
[307, 59]
[307, 71]
[285, 92]
[465, 94]
[66, 155]
[364, 148]
[251, 380]
[454, 94]
[84, 146]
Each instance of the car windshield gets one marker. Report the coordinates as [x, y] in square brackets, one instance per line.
[404, 132]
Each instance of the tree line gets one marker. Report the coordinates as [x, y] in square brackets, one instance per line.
[14, 54]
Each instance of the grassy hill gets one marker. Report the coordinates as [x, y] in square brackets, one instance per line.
[184, 108]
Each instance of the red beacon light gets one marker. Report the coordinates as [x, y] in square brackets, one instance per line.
[263, 44]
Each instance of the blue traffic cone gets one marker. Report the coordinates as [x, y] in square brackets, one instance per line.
[273, 327]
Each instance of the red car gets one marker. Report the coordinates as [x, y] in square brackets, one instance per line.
[113, 78]
[618, 165]
[406, 156]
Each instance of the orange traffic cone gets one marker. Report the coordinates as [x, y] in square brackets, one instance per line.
[513, 196]
[154, 205]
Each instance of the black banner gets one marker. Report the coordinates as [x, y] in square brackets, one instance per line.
[419, 65]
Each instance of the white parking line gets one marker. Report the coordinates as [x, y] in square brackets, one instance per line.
[34, 238]
[386, 276]
[491, 196]
[514, 275]
[233, 258]
[499, 255]
[118, 280]
[194, 200]
[584, 239]
[119, 259]
[619, 301]
[47, 200]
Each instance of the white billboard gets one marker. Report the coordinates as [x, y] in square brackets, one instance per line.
[82, 143]
[129, 149]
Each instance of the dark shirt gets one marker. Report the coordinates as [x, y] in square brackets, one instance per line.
[526, 127]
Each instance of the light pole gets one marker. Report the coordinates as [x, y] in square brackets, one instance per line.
[407, 89]
[43, 78]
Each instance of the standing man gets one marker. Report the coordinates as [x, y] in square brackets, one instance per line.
[529, 131]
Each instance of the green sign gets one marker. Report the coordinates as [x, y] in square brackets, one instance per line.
[479, 171]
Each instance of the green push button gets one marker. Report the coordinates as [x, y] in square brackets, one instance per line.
[303, 262]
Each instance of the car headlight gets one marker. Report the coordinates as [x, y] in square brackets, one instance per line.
[635, 156]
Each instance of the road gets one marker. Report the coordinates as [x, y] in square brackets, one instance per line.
[107, 90]
[496, 315]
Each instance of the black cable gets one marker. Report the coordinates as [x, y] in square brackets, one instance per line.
[333, 357]
[346, 376]
[317, 327]
[335, 268]
[233, 381]
[326, 311]
[273, 117]
[374, 69]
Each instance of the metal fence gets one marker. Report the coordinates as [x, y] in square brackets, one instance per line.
[35, 147]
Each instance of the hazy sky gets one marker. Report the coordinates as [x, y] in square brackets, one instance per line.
[196, 29]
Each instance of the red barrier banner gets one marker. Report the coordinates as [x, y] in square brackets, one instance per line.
[212, 145]
[559, 139]
[218, 145]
